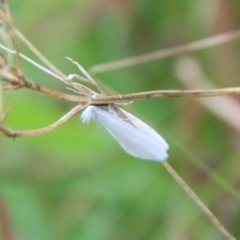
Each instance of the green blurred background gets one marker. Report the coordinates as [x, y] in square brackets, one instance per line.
[76, 183]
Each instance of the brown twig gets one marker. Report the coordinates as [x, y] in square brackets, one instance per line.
[56, 94]
[165, 94]
[196, 199]
[11, 133]
[9, 22]
[15, 79]
[98, 100]
[4, 115]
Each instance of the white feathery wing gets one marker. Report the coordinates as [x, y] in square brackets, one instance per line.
[139, 140]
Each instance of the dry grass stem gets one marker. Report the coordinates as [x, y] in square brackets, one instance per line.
[165, 94]
[12, 133]
[196, 199]
[9, 22]
[56, 94]
[169, 52]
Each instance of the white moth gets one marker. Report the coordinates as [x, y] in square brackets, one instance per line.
[135, 136]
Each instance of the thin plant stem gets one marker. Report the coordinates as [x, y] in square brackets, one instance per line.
[11, 26]
[54, 69]
[198, 201]
[169, 52]
[10, 133]
[165, 94]
[56, 94]
[33, 63]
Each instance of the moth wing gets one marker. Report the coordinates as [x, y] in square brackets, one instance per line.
[141, 142]
[146, 129]
[87, 115]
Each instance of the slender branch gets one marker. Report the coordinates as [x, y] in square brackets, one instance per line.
[4, 115]
[165, 94]
[10, 133]
[169, 52]
[135, 96]
[196, 199]
[15, 82]
[11, 26]
[34, 64]
[56, 94]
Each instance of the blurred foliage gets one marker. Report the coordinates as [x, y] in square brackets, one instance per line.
[76, 182]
